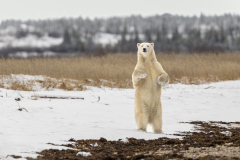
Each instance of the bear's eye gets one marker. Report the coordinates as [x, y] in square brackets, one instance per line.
[147, 46]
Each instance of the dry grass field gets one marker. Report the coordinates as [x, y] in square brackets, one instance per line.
[117, 68]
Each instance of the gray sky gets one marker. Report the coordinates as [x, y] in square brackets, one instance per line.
[43, 9]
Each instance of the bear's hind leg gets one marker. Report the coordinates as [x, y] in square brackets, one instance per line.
[157, 123]
[142, 122]
[157, 126]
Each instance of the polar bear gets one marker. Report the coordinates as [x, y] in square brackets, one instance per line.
[148, 78]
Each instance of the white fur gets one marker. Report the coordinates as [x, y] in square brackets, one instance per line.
[161, 82]
[148, 78]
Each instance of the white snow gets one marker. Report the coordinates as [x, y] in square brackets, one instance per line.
[57, 120]
[31, 54]
[106, 38]
[125, 140]
[94, 145]
[29, 41]
[228, 133]
[9, 30]
[8, 38]
[84, 154]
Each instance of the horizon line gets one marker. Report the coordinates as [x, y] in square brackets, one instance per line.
[118, 16]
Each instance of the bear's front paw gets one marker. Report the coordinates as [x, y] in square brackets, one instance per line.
[163, 80]
[141, 77]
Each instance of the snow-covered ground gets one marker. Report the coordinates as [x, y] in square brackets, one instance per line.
[31, 54]
[29, 41]
[112, 117]
[106, 38]
[8, 38]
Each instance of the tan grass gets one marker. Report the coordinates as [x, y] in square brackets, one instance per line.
[18, 83]
[117, 68]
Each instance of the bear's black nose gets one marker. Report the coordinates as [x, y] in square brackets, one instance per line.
[144, 50]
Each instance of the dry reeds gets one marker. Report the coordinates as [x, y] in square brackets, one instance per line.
[201, 68]
[35, 83]
[118, 68]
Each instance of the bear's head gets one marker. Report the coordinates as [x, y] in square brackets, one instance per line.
[145, 48]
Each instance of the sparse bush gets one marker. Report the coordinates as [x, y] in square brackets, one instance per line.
[54, 34]
[21, 34]
[37, 34]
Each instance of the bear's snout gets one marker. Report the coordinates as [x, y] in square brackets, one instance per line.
[144, 49]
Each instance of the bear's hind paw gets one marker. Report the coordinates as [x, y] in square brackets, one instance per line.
[158, 132]
[142, 130]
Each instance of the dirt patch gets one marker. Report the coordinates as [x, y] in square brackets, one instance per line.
[208, 141]
[218, 151]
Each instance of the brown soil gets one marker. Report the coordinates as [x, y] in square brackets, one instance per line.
[208, 141]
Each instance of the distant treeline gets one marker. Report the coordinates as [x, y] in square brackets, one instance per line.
[170, 33]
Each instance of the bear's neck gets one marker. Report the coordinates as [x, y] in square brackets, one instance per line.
[147, 59]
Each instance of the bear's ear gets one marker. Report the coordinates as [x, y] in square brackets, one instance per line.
[138, 44]
[152, 44]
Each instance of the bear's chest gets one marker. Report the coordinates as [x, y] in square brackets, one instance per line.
[151, 71]
[150, 84]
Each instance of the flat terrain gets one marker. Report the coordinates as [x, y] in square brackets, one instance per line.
[46, 117]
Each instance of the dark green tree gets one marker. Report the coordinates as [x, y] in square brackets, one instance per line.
[123, 39]
[77, 41]
[66, 37]
[148, 35]
[136, 35]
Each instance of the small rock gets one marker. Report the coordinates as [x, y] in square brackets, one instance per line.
[102, 139]
[17, 99]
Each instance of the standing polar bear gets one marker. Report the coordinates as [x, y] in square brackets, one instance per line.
[148, 78]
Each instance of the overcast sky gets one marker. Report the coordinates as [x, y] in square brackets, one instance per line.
[44, 9]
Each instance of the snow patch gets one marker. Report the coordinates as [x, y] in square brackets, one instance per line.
[228, 133]
[125, 140]
[94, 145]
[57, 120]
[84, 154]
[107, 38]
[29, 41]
